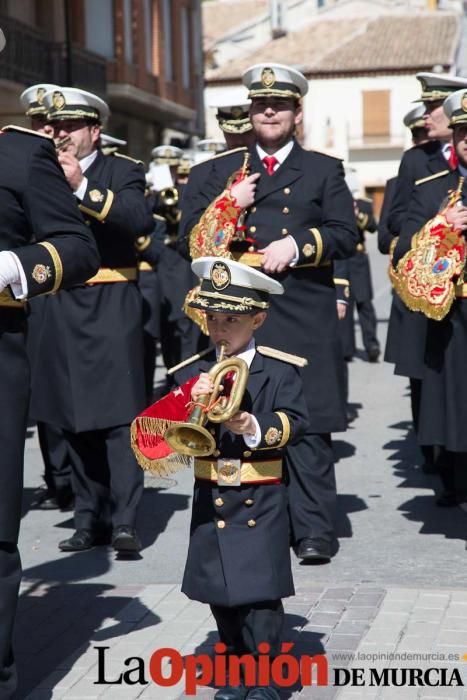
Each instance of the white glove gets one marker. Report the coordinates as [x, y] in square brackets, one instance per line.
[12, 273]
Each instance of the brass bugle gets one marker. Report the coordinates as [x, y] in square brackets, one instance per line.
[62, 143]
[192, 438]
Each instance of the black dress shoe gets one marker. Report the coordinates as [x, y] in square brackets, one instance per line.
[263, 694]
[78, 542]
[230, 692]
[373, 353]
[44, 499]
[125, 539]
[311, 549]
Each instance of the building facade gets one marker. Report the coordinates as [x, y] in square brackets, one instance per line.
[144, 57]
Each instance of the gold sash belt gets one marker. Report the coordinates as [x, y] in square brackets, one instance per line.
[7, 300]
[114, 274]
[267, 470]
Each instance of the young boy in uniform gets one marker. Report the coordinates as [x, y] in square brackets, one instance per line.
[239, 557]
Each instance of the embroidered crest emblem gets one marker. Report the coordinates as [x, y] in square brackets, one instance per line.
[229, 472]
[273, 435]
[168, 153]
[268, 77]
[96, 196]
[58, 100]
[308, 250]
[41, 273]
[40, 95]
[220, 276]
[237, 112]
[464, 102]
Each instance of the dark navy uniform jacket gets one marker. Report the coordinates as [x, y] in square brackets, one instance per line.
[95, 331]
[385, 235]
[307, 197]
[361, 288]
[418, 162]
[405, 345]
[36, 205]
[247, 558]
[443, 410]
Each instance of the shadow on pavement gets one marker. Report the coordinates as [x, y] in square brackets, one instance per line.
[347, 503]
[56, 622]
[450, 522]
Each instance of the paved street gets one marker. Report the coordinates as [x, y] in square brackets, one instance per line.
[396, 585]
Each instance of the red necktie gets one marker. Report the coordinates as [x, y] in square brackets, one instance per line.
[270, 162]
[453, 159]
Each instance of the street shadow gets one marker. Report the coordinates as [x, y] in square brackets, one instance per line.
[305, 643]
[407, 460]
[57, 624]
[342, 449]
[347, 503]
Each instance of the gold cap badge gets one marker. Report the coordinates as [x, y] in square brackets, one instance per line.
[58, 100]
[220, 276]
[40, 94]
[268, 77]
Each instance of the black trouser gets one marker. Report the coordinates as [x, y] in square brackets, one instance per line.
[368, 323]
[453, 472]
[10, 578]
[56, 456]
[107, 482]
[177, 340]
[149, 344]
[311, 487]
[428, 451]
[243, 627]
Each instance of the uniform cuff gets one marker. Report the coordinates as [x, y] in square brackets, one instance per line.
[97, 202]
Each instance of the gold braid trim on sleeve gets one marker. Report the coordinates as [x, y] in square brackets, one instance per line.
[57, 264]
[285, 428]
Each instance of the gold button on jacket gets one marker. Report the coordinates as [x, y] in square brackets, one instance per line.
[249, 502]
[221, 524]
[251, 523]
[219, 502]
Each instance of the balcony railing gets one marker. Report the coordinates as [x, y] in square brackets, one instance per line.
[28, 59]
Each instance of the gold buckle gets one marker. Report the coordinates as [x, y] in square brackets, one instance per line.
[229, 472]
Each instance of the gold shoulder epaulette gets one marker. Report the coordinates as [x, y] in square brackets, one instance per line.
[431, 177]
[284, 356]
[22, 129]
[189, 360]
[240, 149]
[133, 160]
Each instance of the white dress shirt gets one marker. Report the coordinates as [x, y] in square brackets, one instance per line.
[280, 156]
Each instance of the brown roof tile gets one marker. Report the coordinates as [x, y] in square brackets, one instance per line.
[296, 48]
[412, 42]
[396, 42]
[219, 18]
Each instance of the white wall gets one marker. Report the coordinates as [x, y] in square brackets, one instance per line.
[340, 101]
